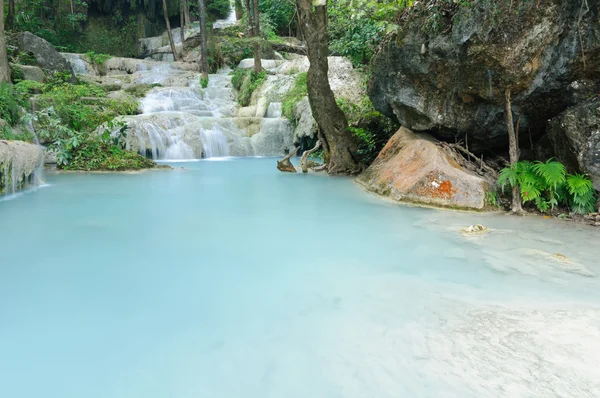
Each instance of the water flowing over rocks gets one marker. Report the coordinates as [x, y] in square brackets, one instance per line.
[452, 83]
[20, 165]
[412, 168]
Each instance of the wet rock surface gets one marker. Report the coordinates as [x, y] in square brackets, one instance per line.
[412, 168]
[575, 138]
[452, 82]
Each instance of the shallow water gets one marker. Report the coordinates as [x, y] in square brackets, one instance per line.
[230, 279]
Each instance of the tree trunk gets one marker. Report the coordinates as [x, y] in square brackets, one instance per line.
[166, 13]
[182, 20]
[513, 148]
[10, 18]
[239, 9]
[4, 68]
[203, 49]
[339, 144]
[256, 30]
[249, 12]
[186, 13]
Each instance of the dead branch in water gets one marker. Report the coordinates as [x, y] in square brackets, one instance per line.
[306, 154]
[285, 165]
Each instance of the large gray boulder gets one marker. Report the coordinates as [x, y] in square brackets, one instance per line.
[575, 138]
[45, 54]
[450, 80]
[413, 168]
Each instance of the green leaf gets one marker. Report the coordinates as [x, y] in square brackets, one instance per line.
[552, 172]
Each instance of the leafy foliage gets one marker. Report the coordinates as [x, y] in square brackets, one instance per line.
[548, 185]
[356, 27]
[246, 82]
[281, 15]
[97, 59]
[11, 102]
[299, 90]
[372, 128]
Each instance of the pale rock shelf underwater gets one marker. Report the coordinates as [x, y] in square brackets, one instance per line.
[229, 279]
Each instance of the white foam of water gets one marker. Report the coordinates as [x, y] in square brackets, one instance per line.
[77, 64]
[229, 21]
[274, 110]
[214, 142]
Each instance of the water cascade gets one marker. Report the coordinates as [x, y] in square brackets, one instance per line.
[77, 63]
[184, 121]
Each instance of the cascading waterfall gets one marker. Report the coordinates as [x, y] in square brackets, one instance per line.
[274, 110]
[78, 65]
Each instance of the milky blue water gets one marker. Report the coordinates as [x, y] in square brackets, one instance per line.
[228, 279]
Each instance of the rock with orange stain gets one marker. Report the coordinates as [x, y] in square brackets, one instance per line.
[413, 168]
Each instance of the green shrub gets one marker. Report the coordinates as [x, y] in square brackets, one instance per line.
[281, 14]
[246, 82]
[88, 151]
[29, 87]
[83, 107]
[372, 128]
[548, 185]
[97, 59]
[203, 81]
[16, 73]
[291, 98]
[8, 133]
[11, 102]
[100, 155]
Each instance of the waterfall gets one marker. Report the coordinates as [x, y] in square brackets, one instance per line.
[78, 65]
[215, 143]
[229, 21]
[274, 110]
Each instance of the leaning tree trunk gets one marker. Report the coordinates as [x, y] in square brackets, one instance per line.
[186, 13]
[249, 12]
[4, 68]
[182, 20]
[203, 49]
[239, 9]
[256, 31]
[513, 150]
[339, 145]
[10, 18]
[166, 13]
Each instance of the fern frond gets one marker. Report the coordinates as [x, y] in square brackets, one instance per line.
[579, 184]
[552, 172]
[509, 176]
[530, 192]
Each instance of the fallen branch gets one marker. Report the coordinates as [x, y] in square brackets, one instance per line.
[285, 165]
[306, 154]
[469, 154]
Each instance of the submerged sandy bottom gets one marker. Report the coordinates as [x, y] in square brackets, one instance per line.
[229, 279]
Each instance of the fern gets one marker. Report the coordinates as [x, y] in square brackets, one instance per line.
[578, 184]
[509, 176]
[548, 185]
[552, 172]
[583, 196]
